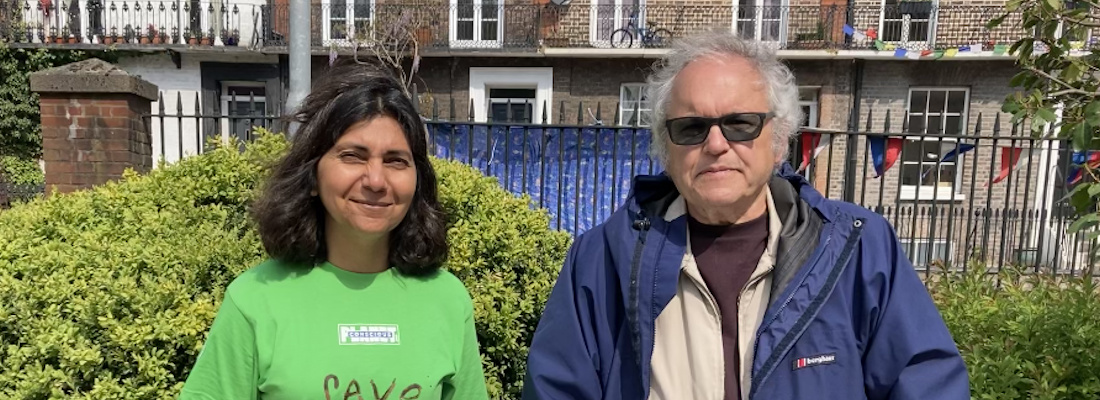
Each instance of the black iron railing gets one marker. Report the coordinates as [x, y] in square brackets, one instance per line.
[122, 23]
[494, 26]
[948, 212]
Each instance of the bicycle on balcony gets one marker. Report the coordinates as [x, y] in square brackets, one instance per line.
[650, 35]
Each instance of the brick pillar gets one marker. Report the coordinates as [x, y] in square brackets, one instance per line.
[92, 124]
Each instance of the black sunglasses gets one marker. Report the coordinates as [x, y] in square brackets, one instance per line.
[736, 127]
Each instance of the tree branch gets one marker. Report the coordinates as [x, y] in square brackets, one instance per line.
[1069, 89]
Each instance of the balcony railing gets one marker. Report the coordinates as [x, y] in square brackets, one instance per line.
[494, 26]
[106, 22]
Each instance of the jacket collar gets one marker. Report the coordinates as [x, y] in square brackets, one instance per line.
[802, 211]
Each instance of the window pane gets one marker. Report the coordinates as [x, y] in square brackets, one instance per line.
[956, 101]
[338, 9]
[918, 31]
[630, 93]
[891, 28]
[910, 174]
[807, 94]
[947, 175]
[911, 151]
[917, 100]
[257, 91]
[512, 93]
[362, 9]
[935, 124]
[488, 29]
[936, 101]
[916, 124]
[954, 126]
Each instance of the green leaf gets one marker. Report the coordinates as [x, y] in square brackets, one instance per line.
[1083, 223]
[1080, 199]
[1047, 114]
[1094, 190]
[1092, 113]
[1054, 4]
[1080, 136]
[995, 22]
[1071, 72]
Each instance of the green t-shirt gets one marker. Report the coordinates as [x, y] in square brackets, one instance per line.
[286, 332]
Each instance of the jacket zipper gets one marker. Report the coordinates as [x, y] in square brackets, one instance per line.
[845, 255]
[642, 224]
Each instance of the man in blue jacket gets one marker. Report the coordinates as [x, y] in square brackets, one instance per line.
[728, 276]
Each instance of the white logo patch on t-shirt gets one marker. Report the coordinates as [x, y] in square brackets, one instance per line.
[355, 334]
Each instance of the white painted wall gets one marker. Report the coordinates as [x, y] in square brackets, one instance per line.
[173, 137]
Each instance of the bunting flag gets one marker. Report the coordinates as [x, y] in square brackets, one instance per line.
[884, 152]
[1000, 49]
[1079, 160]
[900, 53]
[951, 151]
[859, 36]
[1011, 158]
[848, 30]
[938, 54]
[812, 145]
[964, 48]
[926, 53]
[912, 55]
[871, 33]
[951, 52]
[879, 45]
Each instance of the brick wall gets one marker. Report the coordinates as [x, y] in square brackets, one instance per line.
[93, 125]
[886, 87]
[576, 80]
[89, 140]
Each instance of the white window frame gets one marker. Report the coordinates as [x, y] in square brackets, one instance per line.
[349, 22]
[813, 105]
[758, 21]
[937, 193]
[226, 98]
[905, 21]
[911, 244]
[478, 18]
[624, 107]
[484, 78]
[620, 17]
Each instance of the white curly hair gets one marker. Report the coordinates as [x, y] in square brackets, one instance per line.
[779, 81]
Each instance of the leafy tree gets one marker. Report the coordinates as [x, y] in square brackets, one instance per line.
[1060, 71]
[20, 124]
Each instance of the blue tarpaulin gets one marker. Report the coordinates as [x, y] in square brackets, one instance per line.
[578, 179]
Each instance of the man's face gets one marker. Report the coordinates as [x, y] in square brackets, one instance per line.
[718, 174]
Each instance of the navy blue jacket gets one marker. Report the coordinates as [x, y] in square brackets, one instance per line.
[842, 288]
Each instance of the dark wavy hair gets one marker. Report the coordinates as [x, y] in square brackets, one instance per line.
[291, 220]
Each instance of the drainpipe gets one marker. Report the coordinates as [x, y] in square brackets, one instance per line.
[850, 166]
[299, 60]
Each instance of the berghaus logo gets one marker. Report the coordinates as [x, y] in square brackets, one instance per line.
[821, 359]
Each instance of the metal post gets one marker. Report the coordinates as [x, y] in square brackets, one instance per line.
[849, 190]
[299, 59]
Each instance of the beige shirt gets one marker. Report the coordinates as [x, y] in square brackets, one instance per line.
[687, 355]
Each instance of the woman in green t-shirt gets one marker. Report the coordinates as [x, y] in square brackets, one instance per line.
[352, 303]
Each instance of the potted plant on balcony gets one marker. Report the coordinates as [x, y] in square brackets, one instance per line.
[59, 39]
[128, 35]
[192, 39]
[233, 38]
[148, 36]
[205, 40]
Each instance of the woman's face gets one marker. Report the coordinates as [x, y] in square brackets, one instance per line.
[367, 180]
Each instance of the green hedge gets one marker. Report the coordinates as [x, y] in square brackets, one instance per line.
[108, 293]
[1028, 337]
